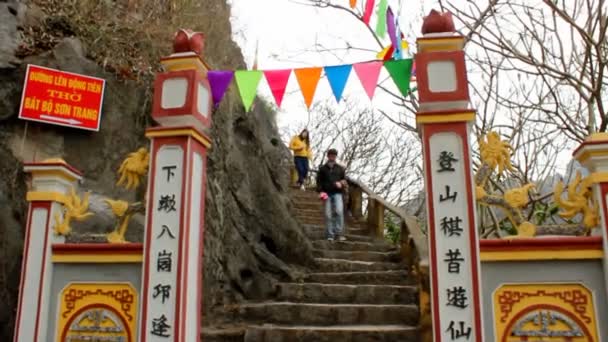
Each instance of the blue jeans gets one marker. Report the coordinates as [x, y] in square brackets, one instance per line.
[302, 168]
[334, 223]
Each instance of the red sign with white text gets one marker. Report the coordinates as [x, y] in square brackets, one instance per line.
[62, 98]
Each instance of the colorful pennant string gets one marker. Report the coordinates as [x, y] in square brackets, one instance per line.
[337, 77]
[402, 72]
[277, 81]
[368, 74]
[308, 78]
[247, 81]
[219, 81]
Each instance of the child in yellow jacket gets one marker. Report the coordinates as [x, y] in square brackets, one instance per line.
[300, 144]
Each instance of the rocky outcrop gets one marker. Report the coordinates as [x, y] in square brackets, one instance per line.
[251, 240]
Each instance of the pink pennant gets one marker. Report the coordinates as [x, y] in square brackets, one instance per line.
[368, 74]
[277, 81]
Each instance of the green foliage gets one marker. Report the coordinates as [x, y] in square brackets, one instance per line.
[544, 211]
[507, 227]
[392, 230]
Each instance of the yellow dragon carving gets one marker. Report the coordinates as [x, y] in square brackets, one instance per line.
[133, 169]
[579, 200]
[74, 209]
[495, 152]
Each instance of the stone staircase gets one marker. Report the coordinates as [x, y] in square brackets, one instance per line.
[360, 291]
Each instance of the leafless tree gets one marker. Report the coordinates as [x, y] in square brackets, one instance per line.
[551, 56]
[536, 75]
[385, 159]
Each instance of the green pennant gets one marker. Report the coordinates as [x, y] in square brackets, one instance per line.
[247, 82]
[381, 15]
[401, 73]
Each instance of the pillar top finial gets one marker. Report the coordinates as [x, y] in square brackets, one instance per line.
[187, 53]
[438, 22]
[186, 40]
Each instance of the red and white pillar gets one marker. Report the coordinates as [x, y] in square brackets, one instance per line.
[444, 121]
[52, 180]
[173, 247]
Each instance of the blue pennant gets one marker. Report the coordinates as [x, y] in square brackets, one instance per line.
[337, 77]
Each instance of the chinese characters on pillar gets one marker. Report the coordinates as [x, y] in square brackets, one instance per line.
[164, 245]
[451, 227]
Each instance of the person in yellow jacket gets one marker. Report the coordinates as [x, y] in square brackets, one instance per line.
[302, 153]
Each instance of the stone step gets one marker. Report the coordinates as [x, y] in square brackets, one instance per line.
[320, 235]
[335, 333]
[327, 314]
[343, 265]
[378, 246]
[358, 255]
[400, 277]
[344, 293]
[349, 230]
[316, 212]
[227, 334]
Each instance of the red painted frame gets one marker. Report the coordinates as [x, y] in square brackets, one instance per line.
[190, 107]
[462, 86]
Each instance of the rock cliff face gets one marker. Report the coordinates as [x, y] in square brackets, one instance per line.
[251, 240]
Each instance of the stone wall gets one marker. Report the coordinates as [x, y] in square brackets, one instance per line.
[251, 240]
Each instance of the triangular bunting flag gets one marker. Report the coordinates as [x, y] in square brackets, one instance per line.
[390, 25]
[400, 71]
[368, 75]
[353, 3]
[381, 15]
[369, 9]
[277, 81]
[337, 77]
[308, 78]
[219, 80]
[247, 81]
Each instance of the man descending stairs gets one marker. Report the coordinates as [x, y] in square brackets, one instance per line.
[359, 292]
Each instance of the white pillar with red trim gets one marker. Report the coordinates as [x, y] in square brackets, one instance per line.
[52, 181]
[444, 120]
[593, 154]
[173, 246]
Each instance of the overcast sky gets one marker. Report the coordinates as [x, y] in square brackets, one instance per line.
[288, 31]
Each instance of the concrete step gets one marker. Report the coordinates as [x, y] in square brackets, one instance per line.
[314, 212]
[349, 230]
[399, 277]
[223, 334]
[336, 333]
[327, 314]
[344, 293]
[354, 246]
[358, 255]
[344, 265]
[320, 235]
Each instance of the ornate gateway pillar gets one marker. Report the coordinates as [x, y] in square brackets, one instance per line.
[593, 154]
[52, 181]
[444, 121]
[173, 246]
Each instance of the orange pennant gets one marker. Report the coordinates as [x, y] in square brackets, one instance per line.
[308, 78]
[353, 3]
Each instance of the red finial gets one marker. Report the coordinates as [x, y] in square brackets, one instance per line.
[187, 41]
[437, 22]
